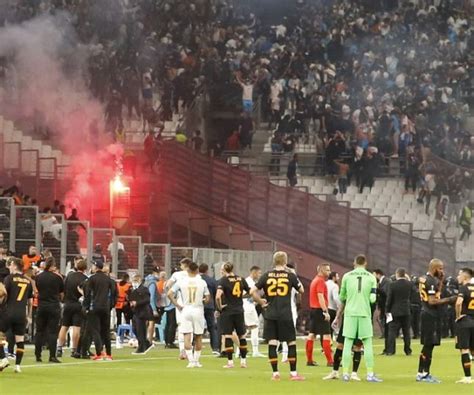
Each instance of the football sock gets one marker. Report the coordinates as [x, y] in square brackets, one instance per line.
[346, 355]
[254, 340]
[337, 359]
[284, 350]
[189, 354]
[309, 350]
[369, 355]
[20, 349]
[229, 348]
[425, 359]
[243, 348]
[273, 357]
[181, 342]
[292, 357]
[2, 350]
[356, 360]
[197, 356]
[466, 364]
[327, 350]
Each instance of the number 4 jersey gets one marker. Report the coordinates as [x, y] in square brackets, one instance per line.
[233, 288]
[277, 285]
[19, 290]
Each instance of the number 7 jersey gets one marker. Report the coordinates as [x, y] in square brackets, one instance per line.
[19, 290]
[277, 285]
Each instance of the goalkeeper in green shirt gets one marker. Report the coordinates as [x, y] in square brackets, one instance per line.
[357, 293]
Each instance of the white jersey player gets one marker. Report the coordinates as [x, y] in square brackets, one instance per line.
[250, 312]
[194, 294]
[175, 277]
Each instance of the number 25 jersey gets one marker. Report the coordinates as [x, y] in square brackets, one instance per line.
[277, 285]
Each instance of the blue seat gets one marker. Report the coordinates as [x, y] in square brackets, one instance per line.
[122, 329]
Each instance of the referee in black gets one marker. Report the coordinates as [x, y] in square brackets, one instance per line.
[98, 290]
[50, 288]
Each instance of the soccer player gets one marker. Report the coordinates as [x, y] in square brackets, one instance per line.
[430, 287]
[72, 313]
[279, 326]
[358, 292]
[3, 327]
[320, 318]
[175, 277]
[250, 312]
[194, 294]
[20, 295]
[465, 322]
[230, 291]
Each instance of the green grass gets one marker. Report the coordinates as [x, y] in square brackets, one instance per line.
[160, 372]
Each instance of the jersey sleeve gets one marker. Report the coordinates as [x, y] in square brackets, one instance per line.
[176, 287]
[8, 284]
[221, 283]
[463, 292]
[320, 287]
[206, 289]
[343, 291]
[260, 284]
[295, 281]
[244, 285]
[30, 291]
[373, 290]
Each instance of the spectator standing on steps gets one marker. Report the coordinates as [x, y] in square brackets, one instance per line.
[292, 171]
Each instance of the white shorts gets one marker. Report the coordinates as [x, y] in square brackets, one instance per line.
[192, 321]
[178, 316]
[250, 315]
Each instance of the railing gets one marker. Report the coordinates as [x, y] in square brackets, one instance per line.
[330, 230]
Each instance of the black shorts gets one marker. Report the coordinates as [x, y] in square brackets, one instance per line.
[465, 335]
[430, 330]
[281, 330]
[340, 339]
[72, 315]
[16, 323]
[319, 326]
[233, 322]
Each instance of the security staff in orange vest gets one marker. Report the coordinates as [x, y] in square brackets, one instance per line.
[122, 306]
[30, 259]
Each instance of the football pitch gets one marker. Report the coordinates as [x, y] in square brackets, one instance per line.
[160, 372]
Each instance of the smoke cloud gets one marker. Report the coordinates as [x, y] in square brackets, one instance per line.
[48, 84]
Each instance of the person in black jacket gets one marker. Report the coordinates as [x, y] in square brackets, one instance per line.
[140, 303]
[210, 308]
[398, 310]
[382, 289]
[292, 171]
[97, 304]
[50, 288]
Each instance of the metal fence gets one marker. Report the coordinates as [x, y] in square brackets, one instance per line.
[331, 231]
[27, 229]
[242, 260]
[155, 255]
[7, 223]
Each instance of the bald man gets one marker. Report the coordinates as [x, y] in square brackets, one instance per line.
[431, 286]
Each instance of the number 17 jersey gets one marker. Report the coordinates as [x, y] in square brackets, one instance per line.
[192, 291]
[277, 285]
